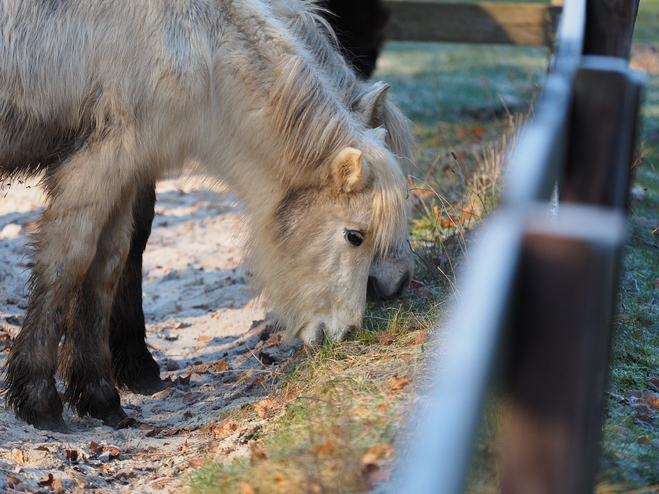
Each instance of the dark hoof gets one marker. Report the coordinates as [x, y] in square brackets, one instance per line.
[52, 424]
[148, 386]
[113, 418]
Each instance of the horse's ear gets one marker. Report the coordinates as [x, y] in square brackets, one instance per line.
[349, 170]
[371, 104]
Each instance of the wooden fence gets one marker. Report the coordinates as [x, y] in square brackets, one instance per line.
[534, 309]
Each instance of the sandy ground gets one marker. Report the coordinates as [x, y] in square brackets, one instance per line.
[203, 326]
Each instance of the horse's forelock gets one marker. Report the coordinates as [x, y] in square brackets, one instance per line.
[389, 217]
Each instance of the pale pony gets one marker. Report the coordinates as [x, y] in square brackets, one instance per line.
[104, 96]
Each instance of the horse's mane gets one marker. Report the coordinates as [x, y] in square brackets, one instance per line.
[306, 19]
[306, 116]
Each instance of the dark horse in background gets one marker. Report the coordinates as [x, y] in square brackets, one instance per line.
[359, 26]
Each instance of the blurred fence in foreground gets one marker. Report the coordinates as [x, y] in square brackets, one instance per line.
[536, 303]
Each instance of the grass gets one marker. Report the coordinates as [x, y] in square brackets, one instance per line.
[334, 417]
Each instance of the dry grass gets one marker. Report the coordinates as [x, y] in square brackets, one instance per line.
[333, 426]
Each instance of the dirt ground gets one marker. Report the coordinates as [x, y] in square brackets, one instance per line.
[203, 326]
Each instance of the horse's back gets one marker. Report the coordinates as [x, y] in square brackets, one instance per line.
[69, 68]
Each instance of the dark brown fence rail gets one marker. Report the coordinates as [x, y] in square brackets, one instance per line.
[484, 22]
[534, 308]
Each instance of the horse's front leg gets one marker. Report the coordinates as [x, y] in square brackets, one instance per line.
[86, 359]
[72, 287]
[132, 363]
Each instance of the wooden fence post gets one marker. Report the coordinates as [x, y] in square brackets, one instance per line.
[609, 27]
[560, 340]
[607, 97]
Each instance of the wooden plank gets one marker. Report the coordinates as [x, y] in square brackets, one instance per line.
[487, 22]
[609, 27]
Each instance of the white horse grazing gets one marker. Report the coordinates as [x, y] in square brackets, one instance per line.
[106, 96]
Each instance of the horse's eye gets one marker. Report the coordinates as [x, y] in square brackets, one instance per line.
[355, 237]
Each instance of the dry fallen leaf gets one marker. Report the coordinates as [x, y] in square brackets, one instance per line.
[172, 365]
[451, 221]
[266, 358]
[17, 454]
[421, 337]
[643, 440]
[154, 432]
[398, 383]
[173, 431]
[329, 447]
[311, 487]
[378, 453]
[274, 339]
[651, 399]
[204, 338]
[644, 413]
[192, 398]
[246, 488]
[383, 407]
[423, 293]
[47, 481]
[183, 381]
[645, 397]
[386, 339]
[222, 366]
[253, 381]
[71, 455]
[12, 481]
[225, 428]
[197, 462]
[265, 408]
[258, 329]
[57, 485]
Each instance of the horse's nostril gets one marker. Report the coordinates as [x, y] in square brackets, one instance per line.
[402, 286]
[372, 290]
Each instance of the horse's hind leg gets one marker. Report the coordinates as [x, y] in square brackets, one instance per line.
[132, 363]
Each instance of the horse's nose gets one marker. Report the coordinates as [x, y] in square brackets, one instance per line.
[377, 290]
